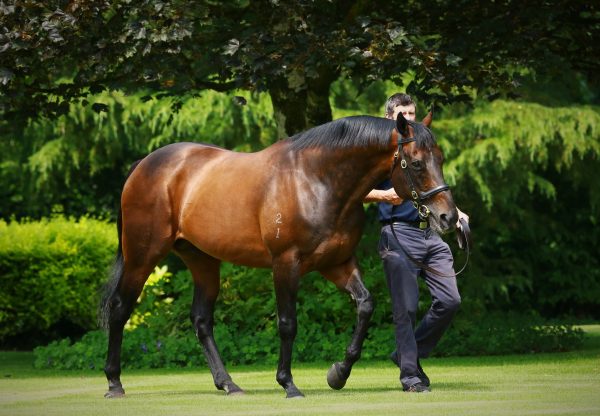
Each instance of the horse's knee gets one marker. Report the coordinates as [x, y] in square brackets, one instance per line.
[202, 325]
[366, 307]
[118, 311]
[287, 327]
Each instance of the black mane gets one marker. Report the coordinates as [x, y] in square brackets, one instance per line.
[357, 131]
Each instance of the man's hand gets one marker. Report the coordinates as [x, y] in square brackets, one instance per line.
[461, 215]
[389, 195]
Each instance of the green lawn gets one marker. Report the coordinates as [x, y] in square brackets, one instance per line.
[542, 384]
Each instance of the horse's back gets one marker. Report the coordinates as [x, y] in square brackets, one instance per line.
[204, 194]
[171, 157]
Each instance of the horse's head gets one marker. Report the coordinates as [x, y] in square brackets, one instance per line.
[417, 174]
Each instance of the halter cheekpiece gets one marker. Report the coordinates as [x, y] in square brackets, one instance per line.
[416, 198]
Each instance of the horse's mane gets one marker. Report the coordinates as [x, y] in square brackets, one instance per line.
[357, 131]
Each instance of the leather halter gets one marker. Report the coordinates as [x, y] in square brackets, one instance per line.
[417, 199]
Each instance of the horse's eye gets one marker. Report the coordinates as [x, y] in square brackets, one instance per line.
[416, 164]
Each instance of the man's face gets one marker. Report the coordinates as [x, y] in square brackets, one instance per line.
[408, 111]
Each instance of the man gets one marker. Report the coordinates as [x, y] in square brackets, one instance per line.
[426, 246]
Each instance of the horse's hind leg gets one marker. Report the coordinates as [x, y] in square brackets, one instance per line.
[347, 278]
[205, 272]
[119, 305]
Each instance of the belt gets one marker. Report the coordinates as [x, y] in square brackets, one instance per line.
[417, 224]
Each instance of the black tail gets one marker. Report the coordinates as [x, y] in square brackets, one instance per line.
[116, 273]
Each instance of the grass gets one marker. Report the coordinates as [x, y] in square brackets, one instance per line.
[542, 384]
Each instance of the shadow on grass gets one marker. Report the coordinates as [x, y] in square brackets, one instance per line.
[309, 392]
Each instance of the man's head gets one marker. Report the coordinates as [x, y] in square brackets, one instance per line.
[400, 103]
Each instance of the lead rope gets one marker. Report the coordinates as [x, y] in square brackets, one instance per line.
[466, 231]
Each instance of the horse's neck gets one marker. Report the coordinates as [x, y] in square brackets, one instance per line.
[350, 173]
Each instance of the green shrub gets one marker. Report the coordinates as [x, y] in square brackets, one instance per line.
[507, 333]
[50, 275]
[160, 333]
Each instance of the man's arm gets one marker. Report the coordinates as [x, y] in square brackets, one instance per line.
[380, 195]
[390, 196]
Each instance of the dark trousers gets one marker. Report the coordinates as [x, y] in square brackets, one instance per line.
[401, 273]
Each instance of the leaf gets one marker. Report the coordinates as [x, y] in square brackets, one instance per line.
[452, 60]
[397, 35]
[231, 47]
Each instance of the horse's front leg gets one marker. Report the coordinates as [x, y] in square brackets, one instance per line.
[347, 278]
[286, 280]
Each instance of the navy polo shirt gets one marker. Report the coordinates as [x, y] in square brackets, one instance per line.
[403, 212]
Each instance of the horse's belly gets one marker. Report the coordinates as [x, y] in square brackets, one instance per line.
[228, 239]
[237, 252]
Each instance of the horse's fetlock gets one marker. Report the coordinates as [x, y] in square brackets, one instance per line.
[283, 378]
[353, 354]
[112, 373]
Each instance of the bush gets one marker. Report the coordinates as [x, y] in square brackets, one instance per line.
[507, 333]
[160, 334]
[50, 275]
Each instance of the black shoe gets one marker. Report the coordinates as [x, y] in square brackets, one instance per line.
[417, 388]
[421, 374]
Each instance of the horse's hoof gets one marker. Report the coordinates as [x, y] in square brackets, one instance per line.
[293, 393]
[114, 394]
[233, 389]
[334, 378]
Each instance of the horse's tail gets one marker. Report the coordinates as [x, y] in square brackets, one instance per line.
[116, 273]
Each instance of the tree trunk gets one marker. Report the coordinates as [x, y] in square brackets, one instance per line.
[297, 109]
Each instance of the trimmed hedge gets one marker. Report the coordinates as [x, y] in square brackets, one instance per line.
[50, 275]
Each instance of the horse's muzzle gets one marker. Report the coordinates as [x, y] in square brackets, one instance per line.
[447, 221]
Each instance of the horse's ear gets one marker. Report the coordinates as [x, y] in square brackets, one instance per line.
[428, 118]
[402, 125]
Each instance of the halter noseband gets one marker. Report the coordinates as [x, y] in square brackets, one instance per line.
[417, 199]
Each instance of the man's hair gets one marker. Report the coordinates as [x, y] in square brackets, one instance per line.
[396, 100]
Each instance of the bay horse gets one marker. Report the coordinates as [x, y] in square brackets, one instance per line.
[295, 206]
